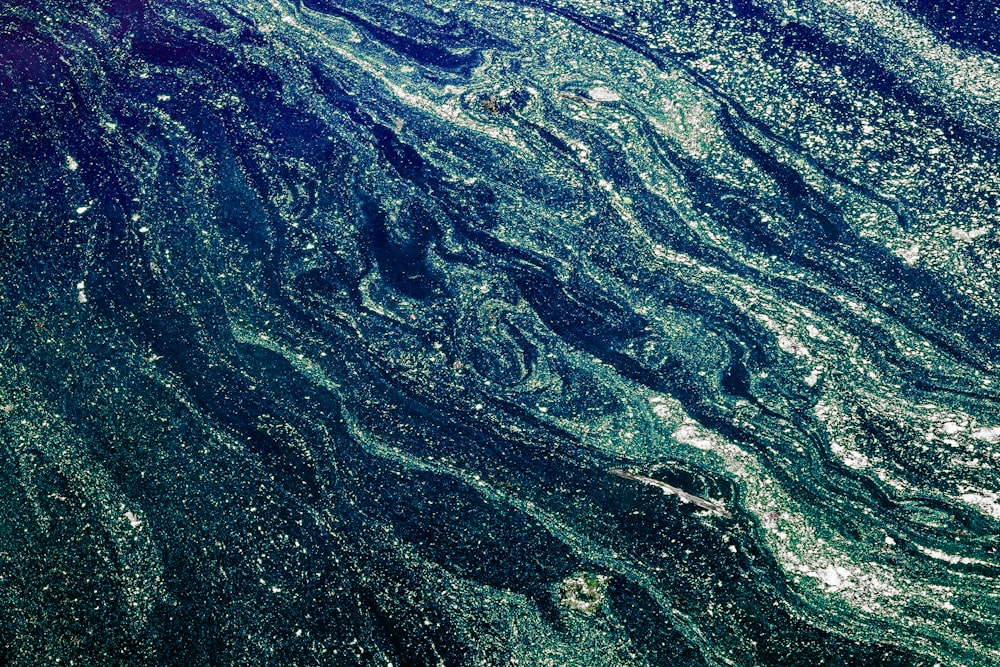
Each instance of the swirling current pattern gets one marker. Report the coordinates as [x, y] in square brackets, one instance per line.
[567, 332]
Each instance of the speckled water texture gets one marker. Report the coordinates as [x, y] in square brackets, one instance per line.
[590, 333]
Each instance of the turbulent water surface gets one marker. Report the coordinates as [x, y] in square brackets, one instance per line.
[570, 332]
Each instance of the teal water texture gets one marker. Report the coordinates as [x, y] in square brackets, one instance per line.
[578, 333]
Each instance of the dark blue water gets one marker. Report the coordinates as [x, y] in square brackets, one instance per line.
[324, 325]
